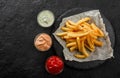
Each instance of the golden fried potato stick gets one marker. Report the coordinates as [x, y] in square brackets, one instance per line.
[77, 34]
[98, 43]
[90, 42]
[78, 40]
[66, 37]
[70, 26]
[66, 29]
[79, 56]
[93, 35]
[94, 27]
[70, 40]
[61, 34]
[83, 20]
[87, 24]
[72, 48]
[71, 44]
[78, 44]
[91, 49]
[83, 49]
[72, 23]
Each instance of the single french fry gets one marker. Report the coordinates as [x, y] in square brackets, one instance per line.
[70, 26]
[71, 39]
[72, 23]
[83, 49]
[87, 24]
[61, 34]
[90, 42]
[66, 29]
[78, 43]
[77, 34]
[98, 43]
[72, 48]
[79, 56]
[71, 44]
[83, 20]
[94, 27]
[91, 49]
[93, 35]
[66, 37]
[101, 34]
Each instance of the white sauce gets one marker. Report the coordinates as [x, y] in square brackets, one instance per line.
[45, 18]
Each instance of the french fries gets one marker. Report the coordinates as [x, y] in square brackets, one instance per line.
[81, 36]
[79, 56]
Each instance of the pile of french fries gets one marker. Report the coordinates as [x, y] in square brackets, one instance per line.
[81, 36]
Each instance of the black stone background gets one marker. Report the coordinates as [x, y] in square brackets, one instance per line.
[18, 27]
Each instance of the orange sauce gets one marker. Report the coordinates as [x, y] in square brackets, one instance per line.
[43, 42]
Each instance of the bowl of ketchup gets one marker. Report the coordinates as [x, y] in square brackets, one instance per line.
[54, 65]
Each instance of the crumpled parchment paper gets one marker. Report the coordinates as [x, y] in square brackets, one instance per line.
[101, 53]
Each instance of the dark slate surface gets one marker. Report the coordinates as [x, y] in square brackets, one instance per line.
[18, 27]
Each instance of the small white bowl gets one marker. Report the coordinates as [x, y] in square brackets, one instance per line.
[45, 18]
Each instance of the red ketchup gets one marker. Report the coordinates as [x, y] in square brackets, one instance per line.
[54, 65]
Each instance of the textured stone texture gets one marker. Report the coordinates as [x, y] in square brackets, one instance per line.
[18, 27]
